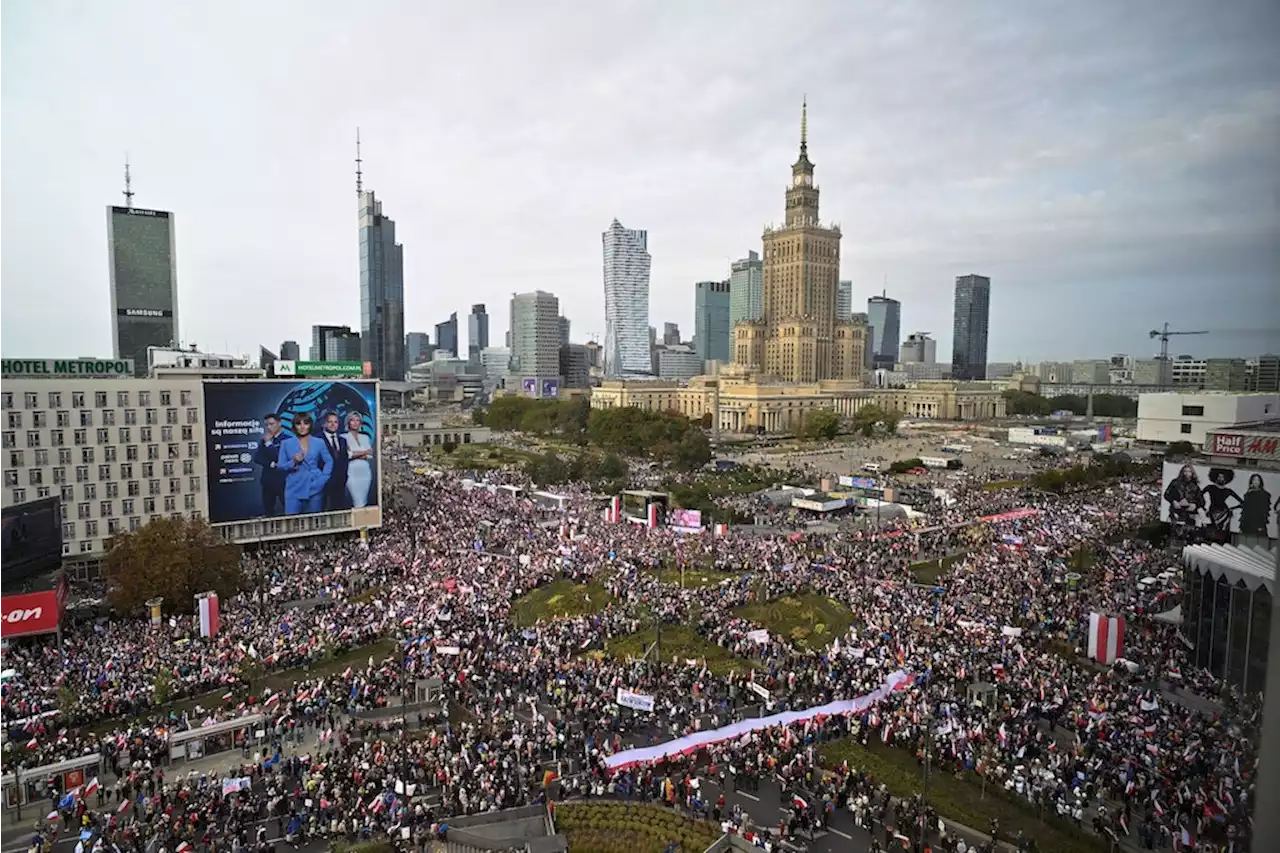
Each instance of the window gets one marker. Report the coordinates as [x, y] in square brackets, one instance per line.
[144, 434]
[126, 471]
[55, 399]
[1185, 429]
[153, 451]
[153, 487]
[81, 437]
[77, 399]
[6, 400]
[193, 449]
[64, 455]
[134, 523]
[122, 399]
[188, 466]
[131, 417]
[126, 506]
[148, 469]
[91, 491]
[168, 469]
[192, 416]
[67, 494]
[194, 484]
[86, 417]
[174, 451]
[84, 510]
[126, 435]
[43, 492]
[86, 546]
[68, 530]
[10, 479]
[131, 453]
[42, 456]
[135, 488]
[171, 416]
[99, 399]
[149, 505]
[104, 476]
[91, 527]
[170, 503]
[153, 417]
[166, 433]
[187, 433]
[113, 526]
[35, 476]
[63, 419]
[184, 398]
[106, 509]
[30, 399]
[15, 420]
[86, 454]
[144, 398]
[82, 473]
[19, 496]
[16, 458]
[1193, 411]
[109, 453]
[56, 438]
[109, 417]
[166, 397]
[9, 439]
[175, 485]
[59, 476]
[40, 419]
[33, 438]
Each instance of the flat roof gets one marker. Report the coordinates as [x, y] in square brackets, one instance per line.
[1253, 426]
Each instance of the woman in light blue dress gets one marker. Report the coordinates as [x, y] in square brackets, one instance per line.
[360, 464]
[307, 466]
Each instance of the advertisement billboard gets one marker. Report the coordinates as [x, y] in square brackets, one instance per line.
[685, 519]
[1216, 501]
[32, 538]
[281, 447]
[324, 369]
[551, 388]
[33, 612]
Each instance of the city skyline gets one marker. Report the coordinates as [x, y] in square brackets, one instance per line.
[1120, 176]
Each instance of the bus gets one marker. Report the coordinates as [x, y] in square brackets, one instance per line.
[956, 448]
[941, 462]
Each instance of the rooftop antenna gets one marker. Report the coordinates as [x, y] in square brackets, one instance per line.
[128, 183]
[359, 174]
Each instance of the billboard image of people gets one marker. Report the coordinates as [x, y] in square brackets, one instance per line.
[290, 448]
[32, 538]
[1213, 502]
[685, 519]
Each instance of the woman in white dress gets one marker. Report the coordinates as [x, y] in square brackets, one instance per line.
[359, 466]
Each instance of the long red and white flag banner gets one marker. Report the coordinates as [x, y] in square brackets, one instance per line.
[209, 621]
[899, 680]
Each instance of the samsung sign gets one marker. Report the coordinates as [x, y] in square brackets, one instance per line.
[143, 312]
[14, 368]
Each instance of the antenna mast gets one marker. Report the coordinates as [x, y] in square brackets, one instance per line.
[359, 173]
[128, 184]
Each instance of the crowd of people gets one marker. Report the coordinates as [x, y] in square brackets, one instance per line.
[430, 596]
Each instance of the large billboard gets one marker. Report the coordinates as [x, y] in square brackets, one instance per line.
[1215, 501]
[32, 539]
[33, 612]
[284, 447]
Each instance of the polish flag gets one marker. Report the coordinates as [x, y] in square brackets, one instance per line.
[33, 744]
[799, 802]
[182, 848]
[209, 614]
[92, 788]
[123, 807]
[1106, 638]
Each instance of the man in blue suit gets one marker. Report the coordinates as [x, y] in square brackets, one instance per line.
[272, 478]
[335, 491]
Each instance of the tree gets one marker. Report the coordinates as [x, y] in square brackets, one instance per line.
[822, 423]
[612, 467]
[1025, 403]
[1180, 450]
[173, 558]
[692, 451]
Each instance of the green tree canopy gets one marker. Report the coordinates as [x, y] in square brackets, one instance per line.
[174, 558]
[822, 423]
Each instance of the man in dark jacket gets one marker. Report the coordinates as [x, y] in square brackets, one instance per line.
[335, 490]
[266, 455]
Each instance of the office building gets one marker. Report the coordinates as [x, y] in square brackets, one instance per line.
[381, 290]
[1053, 372]
[844, 301]
[144, 279]
[1264, 374]
[574, 366]
[1226, 374]
[335, 343]
[626, 300]
[1156, 372]
[290, 351]
[477, 331]
[266, 359]
[447, 335]
[495, 363]
[1091, 371]
[670, 333]
[884, 315]
[1000, 370]
[746, 290]
[1172, 416]
[797, 338]
[417, 348]
[595, 354]
[969, 329]
[712, 334]
[564, 331]
[535, 340]
[678, 363]
[918, 348]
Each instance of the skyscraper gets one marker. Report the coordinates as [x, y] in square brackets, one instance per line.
[844, 301]
[535, 342]
[335, 343]
[381, 285]
[919, 348]
[626, 301]
[670, 333]
[144, 279]
[564, 331]
[797, 338]
[290, 351]
[477, 332]
[711, 310]
[969, 329]
[746, 289]
[417, 348]
[885, 317]
[447, 335]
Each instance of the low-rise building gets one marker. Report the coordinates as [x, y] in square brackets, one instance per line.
[1168, 417]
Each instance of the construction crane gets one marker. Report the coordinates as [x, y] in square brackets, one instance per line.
[1164, 334]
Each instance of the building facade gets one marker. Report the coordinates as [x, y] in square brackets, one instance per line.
[495, 363]
[678, 363]
[417, 348]
[535, 338]
[712, 302]
[797, 338]
[1171, 416]
[746, 289]
[381, 291]
[447, 335]
[745, 405]
[626, 300]
[918, 348]
[574, 366]
[477, 331]
[335, 343]
[884, 315]
[565, 327]
[290, 351]
[844, 301]
[144, 281]
[969, 327]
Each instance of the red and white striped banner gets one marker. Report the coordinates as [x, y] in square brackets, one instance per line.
[209, 622]
[653, 516]
[721, 531]
[1106, 637]
[615, 509]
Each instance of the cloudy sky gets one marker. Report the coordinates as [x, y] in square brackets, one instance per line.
[1111, 166]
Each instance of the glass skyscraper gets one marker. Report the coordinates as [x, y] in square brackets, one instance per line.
[712, 335]
[626, 301]
[447, 335]
[144, 282]
[477, 332]
[381, 291]
[884, 315]
[969, 329]
[746, 290]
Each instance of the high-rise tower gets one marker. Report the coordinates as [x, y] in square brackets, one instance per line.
[477, 332]
[626, 301]
[144, 279]
[969, 328]
[798, 338]
[381, 284]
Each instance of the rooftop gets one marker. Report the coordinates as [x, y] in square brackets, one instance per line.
[1254, 426]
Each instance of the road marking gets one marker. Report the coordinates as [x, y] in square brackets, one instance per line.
[748, 796]
[839, 833]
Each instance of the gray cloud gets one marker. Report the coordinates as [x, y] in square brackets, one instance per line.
[1111, 166]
